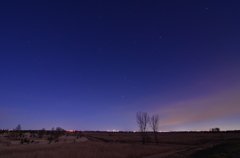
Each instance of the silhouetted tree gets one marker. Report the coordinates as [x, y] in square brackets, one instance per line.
[142, 121]
[59, 131]
[18, 131]
[154, 121]
[215, 129]
[18, 128]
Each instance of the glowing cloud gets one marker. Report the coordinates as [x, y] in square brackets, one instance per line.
[200, 110]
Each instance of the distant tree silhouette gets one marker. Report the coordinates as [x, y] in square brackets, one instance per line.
[154, 121]
[215, 129]
[54, 134]
[18, 128]
[18, 131]
[142, 121]
[58, 132]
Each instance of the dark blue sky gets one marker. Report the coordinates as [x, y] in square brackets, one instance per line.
[91, 65]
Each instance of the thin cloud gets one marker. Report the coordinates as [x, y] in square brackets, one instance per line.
[202, 110]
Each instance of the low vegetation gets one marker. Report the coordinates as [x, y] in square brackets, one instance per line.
[90, 149]
[118, 144]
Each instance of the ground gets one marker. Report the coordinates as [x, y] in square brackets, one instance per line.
[125, 145]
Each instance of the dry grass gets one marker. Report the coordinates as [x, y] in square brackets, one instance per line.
[117, 145]
[179, 138]
[84, 149]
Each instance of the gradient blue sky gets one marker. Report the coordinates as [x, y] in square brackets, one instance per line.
[91, 65]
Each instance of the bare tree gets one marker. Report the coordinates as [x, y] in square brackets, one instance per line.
[58, 132]
[154, 121]
[142, 121]
[18, 128]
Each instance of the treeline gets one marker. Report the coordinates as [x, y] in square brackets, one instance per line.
[29, 136]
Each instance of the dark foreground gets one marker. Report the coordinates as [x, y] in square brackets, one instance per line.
[125, 145]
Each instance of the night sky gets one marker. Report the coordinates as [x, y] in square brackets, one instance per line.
[92, 65]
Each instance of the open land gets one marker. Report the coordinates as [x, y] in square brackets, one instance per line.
[121, 145]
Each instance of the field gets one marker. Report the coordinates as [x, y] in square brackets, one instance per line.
[123, 145]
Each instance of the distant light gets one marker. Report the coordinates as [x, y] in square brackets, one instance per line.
[112, 130]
